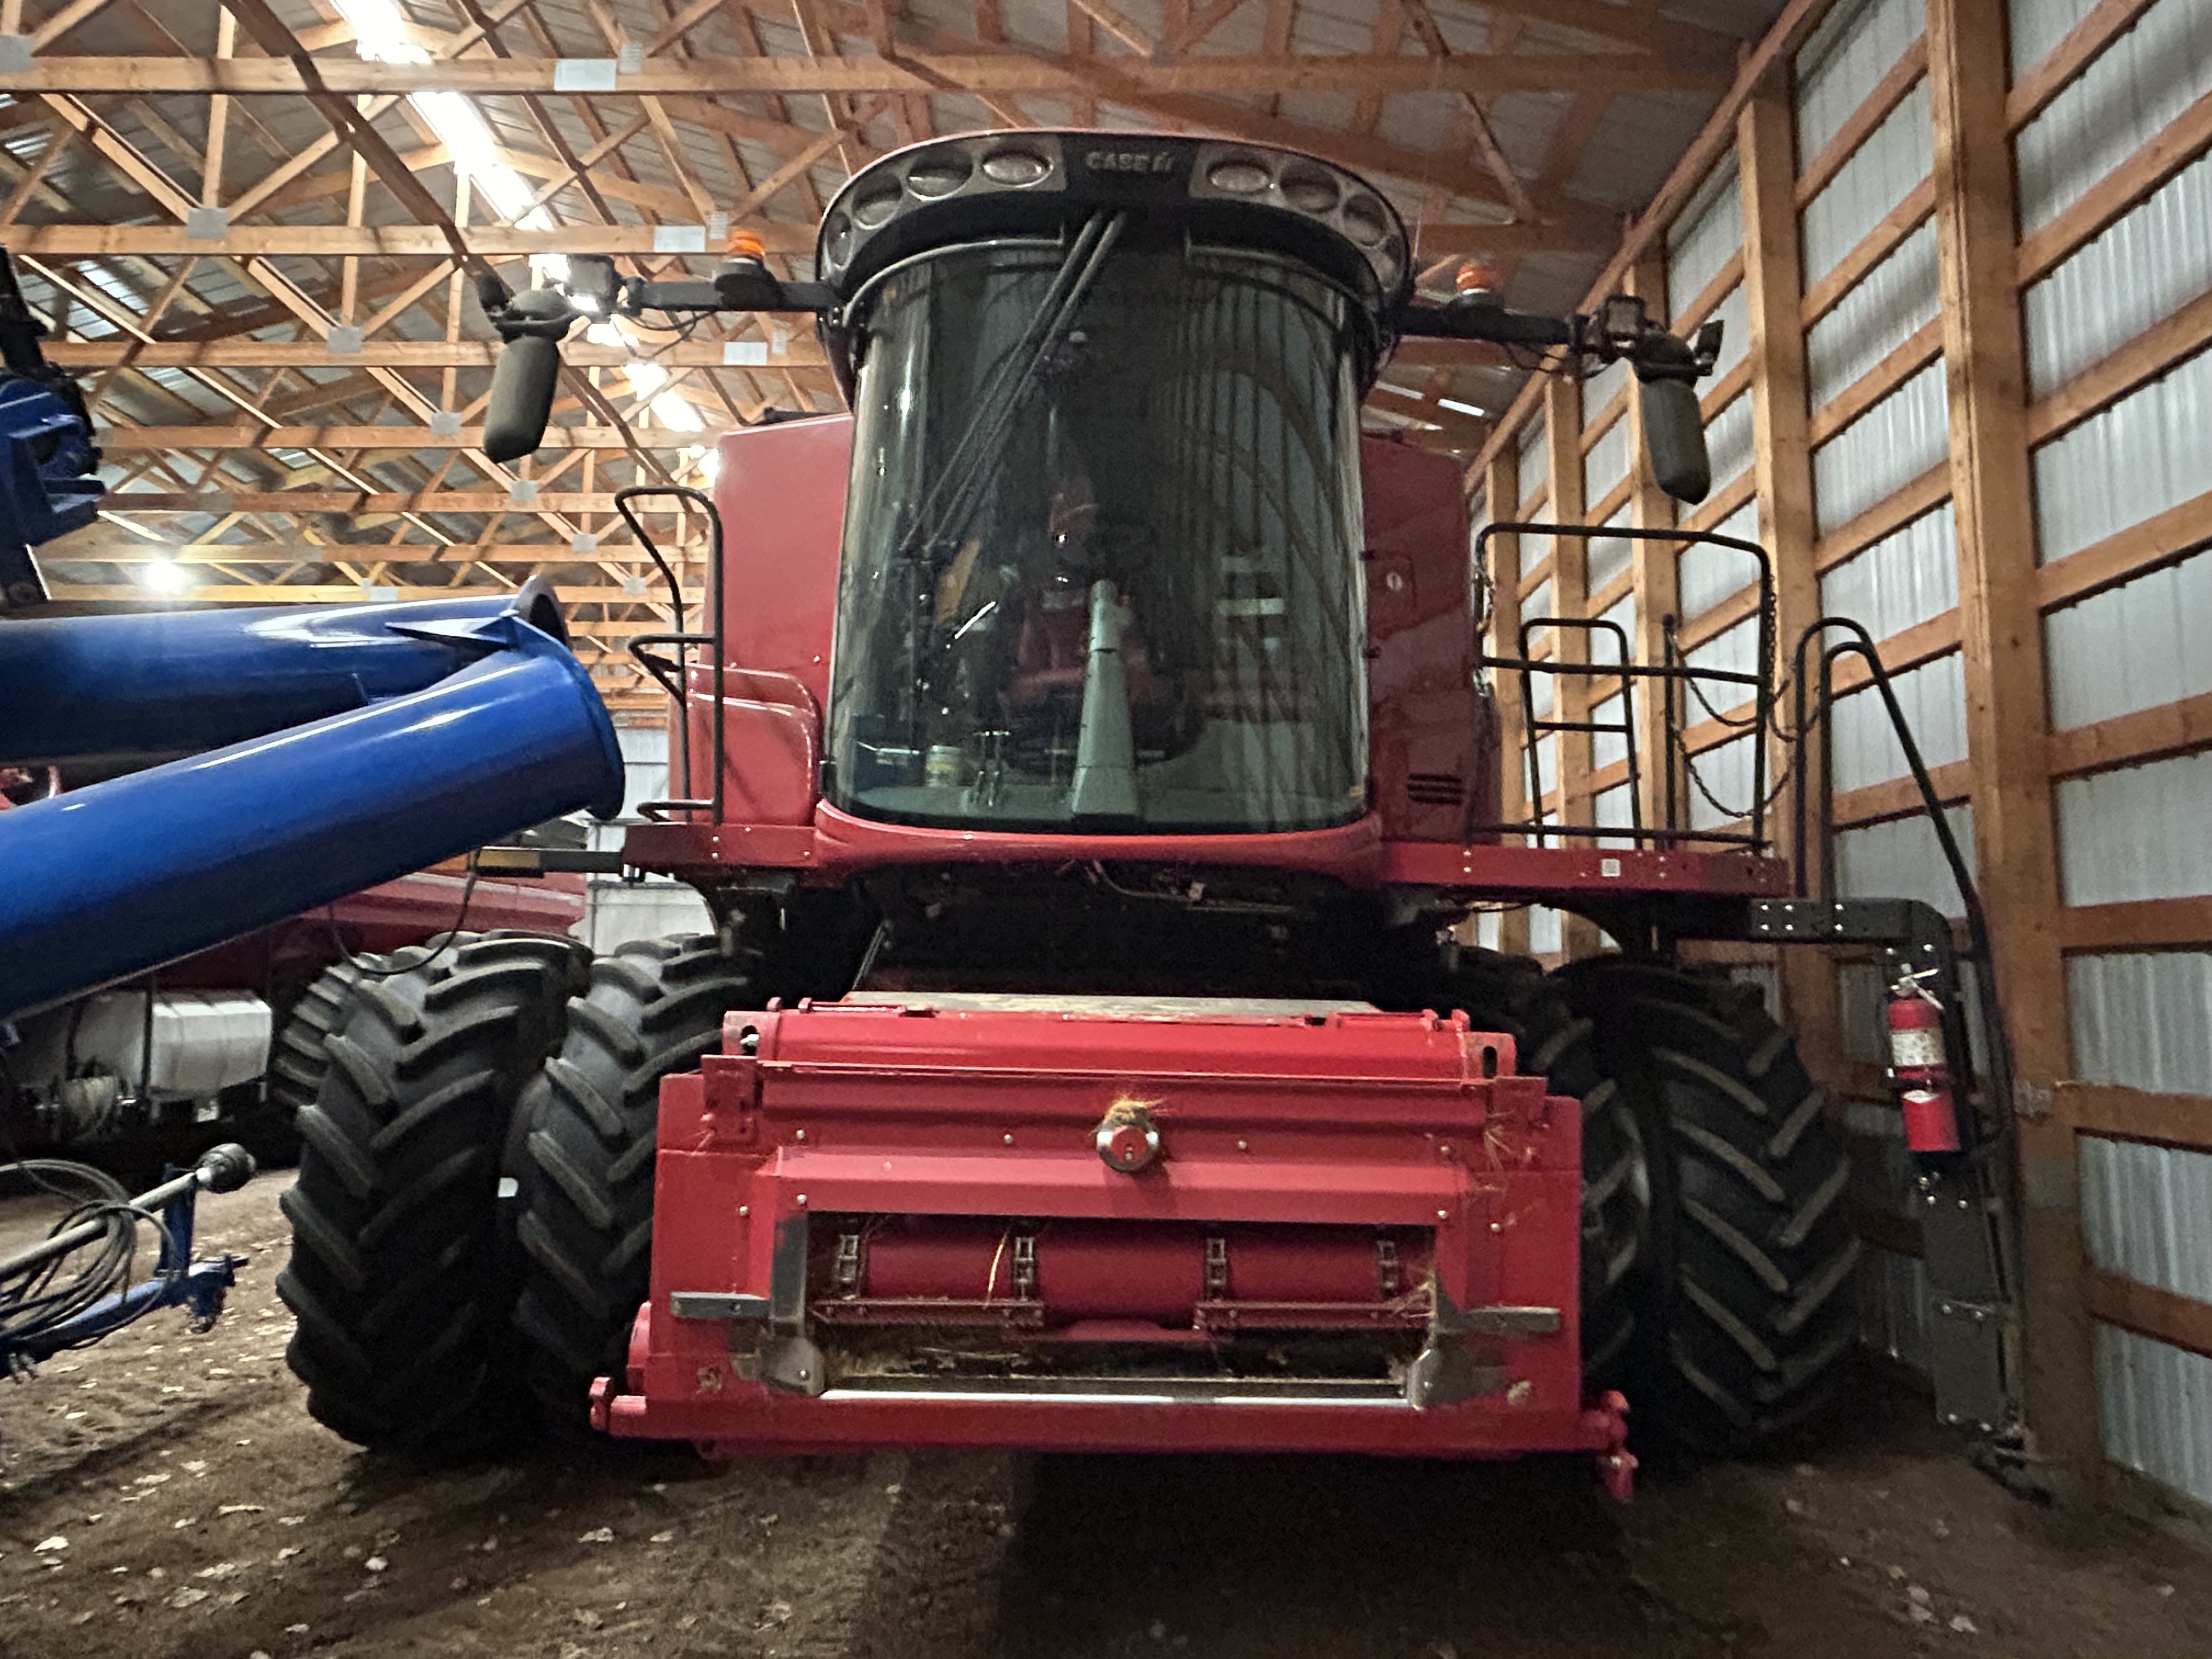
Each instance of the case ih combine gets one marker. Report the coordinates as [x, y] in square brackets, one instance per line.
[1087, 756]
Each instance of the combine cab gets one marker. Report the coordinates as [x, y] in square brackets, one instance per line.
[1088, 757]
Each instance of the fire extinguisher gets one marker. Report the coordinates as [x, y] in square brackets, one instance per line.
[1919, 1068]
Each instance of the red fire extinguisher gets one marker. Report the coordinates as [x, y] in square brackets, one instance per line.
[1919, 1067]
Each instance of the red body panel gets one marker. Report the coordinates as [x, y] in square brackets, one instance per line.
[1434, 744]
[1435, 760]
[1292, 1143]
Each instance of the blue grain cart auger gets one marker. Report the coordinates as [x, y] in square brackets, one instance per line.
[285, 757]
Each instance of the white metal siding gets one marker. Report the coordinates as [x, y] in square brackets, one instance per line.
[1901, 580]
[2137, 646]
[1534, 470]
[1706, 573]
[1602, 387]
[1544, 929]
[2138, 833]
[2124, 98]
[2142, 269]
[1538, 604]
[1734, 650]
[1610, 556]
[2144, 1018]
[1844, 60]
[1706, 237]
[1605, 464]
[2037, 26]
[1610, 812]
[2147, 1214]
[1895, 158]
[1887, 308]
[1901, 859]
[1603, 646]
[1728, 439]
[616, 912]
[1934, 698]
[2155, 1401]
[1608, 747]
[1886, 449]
[1720, 784]
[2138, 456]
[1734, 315]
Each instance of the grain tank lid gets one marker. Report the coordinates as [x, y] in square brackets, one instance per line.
[1046, 183]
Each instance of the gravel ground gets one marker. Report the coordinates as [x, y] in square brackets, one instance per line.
[164, 1494]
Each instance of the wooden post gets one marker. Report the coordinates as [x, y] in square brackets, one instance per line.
[1563, 439]
[1503, 479]
[1656, 577]
[1766, 159]
[2001, 630]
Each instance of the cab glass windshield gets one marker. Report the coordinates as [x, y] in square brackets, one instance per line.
[1101, 568]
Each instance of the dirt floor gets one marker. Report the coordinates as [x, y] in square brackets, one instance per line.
[164, 1494]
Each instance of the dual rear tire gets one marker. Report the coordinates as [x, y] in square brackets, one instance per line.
[1717, 1258]
[473, 1216]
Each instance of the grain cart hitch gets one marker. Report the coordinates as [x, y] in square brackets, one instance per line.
[42, 1311]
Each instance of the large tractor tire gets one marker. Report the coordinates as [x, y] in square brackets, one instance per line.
[582, 1156]
[1511, 994]
[299, 1060]
[397, 1278]
[1744, 1305]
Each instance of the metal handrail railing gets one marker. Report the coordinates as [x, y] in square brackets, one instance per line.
[1668, 679]
[674, 676]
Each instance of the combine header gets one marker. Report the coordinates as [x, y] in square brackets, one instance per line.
[1088, 757]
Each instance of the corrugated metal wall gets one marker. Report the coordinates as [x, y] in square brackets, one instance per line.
[2117, 327]
[2134, 834]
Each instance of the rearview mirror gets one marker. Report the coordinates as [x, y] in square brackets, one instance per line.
[1674, 437]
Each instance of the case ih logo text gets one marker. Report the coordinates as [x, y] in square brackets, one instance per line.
[1129, 160]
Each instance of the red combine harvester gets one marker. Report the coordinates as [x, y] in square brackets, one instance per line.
[1088, 757]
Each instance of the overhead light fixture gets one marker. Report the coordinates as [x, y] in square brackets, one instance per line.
[670, 409]
[1457, 407]
[380, 34]
[164, 576]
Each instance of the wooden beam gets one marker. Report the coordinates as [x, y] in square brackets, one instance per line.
[801, 352]
[1654, 574]
[2142, 360]
[2147, 734]
[1782, 471]
[1437, 240]
[1016, 72]
[2106, 22]
[2148, 925]
[1502, 496]
[2143, 546]
[2002, 633]
[2148, 1310]
[1894, 87]
[2114, 1109]
[127, 439]
[1877, 245]
[357, 501]
[2175, 147]
[264, 594]
[1769, 56]
[396, 241]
